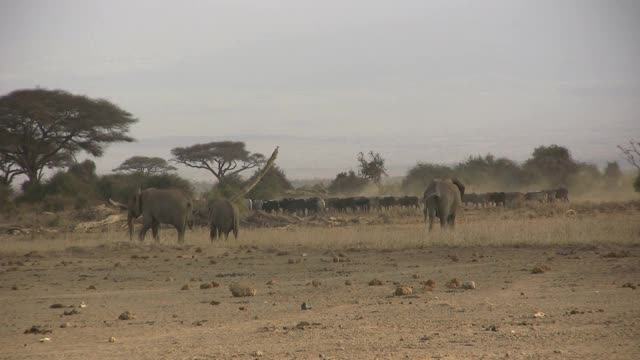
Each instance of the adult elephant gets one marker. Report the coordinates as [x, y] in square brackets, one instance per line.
[158, 206]
[223, 219]
[443, 199]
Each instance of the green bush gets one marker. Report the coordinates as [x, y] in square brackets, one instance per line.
[121, 186]
[274, 184]
[419, 177]
[347, 183]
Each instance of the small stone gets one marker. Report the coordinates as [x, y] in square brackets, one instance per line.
[45, 340]
[56, 306]
[198, 250]
[271, 282]
[91, 287]
[127, 315]
[347, 282]
[316, 283]
[112, 339]
[14, 287]
[214, 302]
[240, 290]
[65, 325]
[305, 306]
[469, 285]
[82, 305]
[403, 290]
[185, 287]
[375, 282]
[169, 279]
[257, 353]
[453, 283]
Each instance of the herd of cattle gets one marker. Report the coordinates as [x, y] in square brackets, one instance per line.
[314, 205]
[348, 204]
[514, 198]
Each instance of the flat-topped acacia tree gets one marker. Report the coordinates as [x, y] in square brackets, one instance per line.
[145, 165]
[220, 158]
[42, 128]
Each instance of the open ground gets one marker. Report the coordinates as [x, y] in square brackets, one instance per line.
[548, 285]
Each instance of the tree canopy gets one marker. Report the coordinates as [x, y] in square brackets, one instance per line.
[419, 177]
[372, 169]
[145, 166]
[46, 128]
[347, 183]
[272, 185]
[220, 158]
[553, 164]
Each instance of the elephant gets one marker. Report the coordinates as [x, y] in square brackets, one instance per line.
[257, 205]
[540, 196]
[159, 206]
[223, 218]
[443, 199]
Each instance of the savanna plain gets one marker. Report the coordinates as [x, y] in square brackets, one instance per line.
[538, 282]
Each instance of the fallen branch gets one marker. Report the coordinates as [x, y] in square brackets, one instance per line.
[111, 219]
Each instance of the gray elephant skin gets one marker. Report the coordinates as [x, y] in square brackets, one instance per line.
[443, 199]
[223, 218]
[159, 206]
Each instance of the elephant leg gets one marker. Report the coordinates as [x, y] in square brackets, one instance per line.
[235, 233]
[213, 232]
[181, 230]
[155, 226]
[226, 235]
[452, 221]
[432, 218]
[147, 222]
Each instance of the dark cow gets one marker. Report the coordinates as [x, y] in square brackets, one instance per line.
[314, 205]
[540, 196]
[409, 202]
[498, 198]
[514, 199]
[388, 202]
[271, 206]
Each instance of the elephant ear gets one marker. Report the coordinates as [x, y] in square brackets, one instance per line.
[459, 185]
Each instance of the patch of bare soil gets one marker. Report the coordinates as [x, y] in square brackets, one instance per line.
[584, 308]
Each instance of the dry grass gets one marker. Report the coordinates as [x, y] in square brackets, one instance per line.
[498, 228]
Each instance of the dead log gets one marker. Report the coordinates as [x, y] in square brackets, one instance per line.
[111, 219]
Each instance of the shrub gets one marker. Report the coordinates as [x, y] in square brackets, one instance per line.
[347, 183]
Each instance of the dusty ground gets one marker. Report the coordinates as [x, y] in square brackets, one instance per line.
[586, 311]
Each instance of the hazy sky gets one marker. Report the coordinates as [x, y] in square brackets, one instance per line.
[462, 71]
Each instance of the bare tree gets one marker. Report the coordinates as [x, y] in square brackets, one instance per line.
[145, 166]
[220, 158]
[632, 153]
[372, 169]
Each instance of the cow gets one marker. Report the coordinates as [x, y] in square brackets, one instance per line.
[271, 206]
[540, 196]
[388, 202]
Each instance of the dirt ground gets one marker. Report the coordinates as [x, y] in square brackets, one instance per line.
[582, 304]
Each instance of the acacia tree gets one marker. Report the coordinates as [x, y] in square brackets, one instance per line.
[371, 169]
[8, 170]
[42, 128]
[144, 165]
[552, 163]
[221, 158]
[632, 155]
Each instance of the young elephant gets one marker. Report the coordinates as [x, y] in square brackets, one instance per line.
[443, 199]
[223, 218]
[159, 206]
